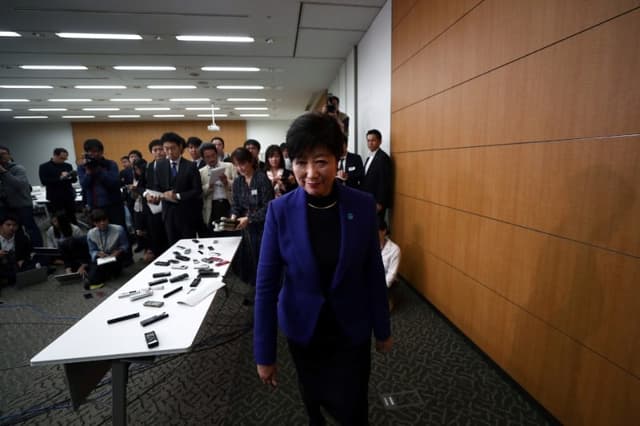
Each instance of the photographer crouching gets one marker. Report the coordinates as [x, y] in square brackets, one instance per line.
[100, 182]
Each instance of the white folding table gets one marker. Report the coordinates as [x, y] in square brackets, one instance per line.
[91, 346]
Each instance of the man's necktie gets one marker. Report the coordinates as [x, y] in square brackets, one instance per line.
[174, 170]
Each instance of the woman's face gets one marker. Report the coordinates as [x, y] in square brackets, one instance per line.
[274, 161]
[315, 171]
[245, 169]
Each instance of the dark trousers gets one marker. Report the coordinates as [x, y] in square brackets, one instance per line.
[67, 206]
[75, 252]
[157, 233]
[336, 378]
[115, 213]
[100, 274]
[25, 216]
[179, 226]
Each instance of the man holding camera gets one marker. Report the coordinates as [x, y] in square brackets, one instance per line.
[100, 182]
[58, 177]
[333, 108]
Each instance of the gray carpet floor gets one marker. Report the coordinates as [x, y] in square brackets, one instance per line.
[434, 374]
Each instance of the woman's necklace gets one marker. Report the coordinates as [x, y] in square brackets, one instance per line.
[323, 207]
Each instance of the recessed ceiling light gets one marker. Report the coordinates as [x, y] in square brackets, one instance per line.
[168, 86]
[9, 34]
[130, 99]
[53, 67]
[189, 100]
[100, 87]
[201, 108]
[78, 116]
[5, 109]
[152, 109]
[240, 69]
[218, 39]
[28, 117]
[71, 100]
[231, 87]
[124, 116]
[209, 115]
[254, 115]
[143, 68]
[47, 109]
[14, 100]
[251, 108]
[100, 36]
[101, 109]
[168, 115]
[25, 86]
[246, 100]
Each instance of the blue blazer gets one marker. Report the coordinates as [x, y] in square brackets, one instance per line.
[358, 292]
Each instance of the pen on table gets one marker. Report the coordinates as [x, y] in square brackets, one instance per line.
[172, 292]
[123, 318]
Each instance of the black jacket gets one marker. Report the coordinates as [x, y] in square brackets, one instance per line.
[57, 189]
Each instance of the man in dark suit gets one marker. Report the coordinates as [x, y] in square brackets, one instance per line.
[350, 168]
[179, 182]
[58, 177]
[377, 173]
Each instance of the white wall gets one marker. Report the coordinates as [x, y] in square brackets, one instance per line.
[374, 80]
[267, 132]
[32, 144]
[344, 87]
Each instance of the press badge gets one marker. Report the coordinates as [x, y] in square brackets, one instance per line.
[254, 192]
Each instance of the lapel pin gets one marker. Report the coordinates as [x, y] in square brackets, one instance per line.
[350, 216]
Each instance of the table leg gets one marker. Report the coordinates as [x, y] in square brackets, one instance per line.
[119, 379]
[82, 378]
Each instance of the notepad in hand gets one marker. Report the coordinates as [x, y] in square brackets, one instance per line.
[103, 260]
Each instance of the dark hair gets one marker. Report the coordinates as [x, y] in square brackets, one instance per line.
[59, 151]
[207, 146]
[7, 216]
[332, 98]
[125, 157]
[252, 142]
[242, 155]
[375, 132]
[140, 163]
[274, 149]
[172, 137]
[312, 130]
[382, 225]
[155, 142]
[64, 225]
[98, 215]
[135, 152]
[93, 144]
[4, 148]
[195, 141]
[219, 138]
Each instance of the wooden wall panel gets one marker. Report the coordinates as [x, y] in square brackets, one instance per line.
[400, 10]
[585, 190]
[583, 291]
[492, 34]
[577, 384]
[515, 139]
[423, 23]
[546, 96]
[121, 137]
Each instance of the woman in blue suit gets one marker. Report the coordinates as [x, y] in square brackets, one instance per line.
[322, 238]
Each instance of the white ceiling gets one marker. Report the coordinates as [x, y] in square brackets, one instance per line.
[299, 47]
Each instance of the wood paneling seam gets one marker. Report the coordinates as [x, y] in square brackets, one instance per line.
[533, 142]
[527, 228]
[437, 36]
[497, 67]
[533, 315]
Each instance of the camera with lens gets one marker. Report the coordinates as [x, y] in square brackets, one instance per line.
[92, 163]
[331, 108]
[71, 175]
